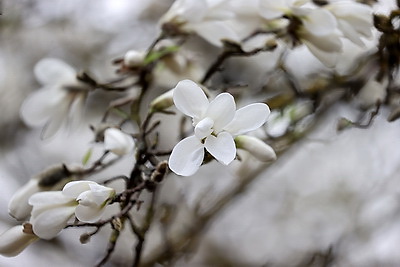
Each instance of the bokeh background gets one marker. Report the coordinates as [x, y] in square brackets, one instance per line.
[331, 196]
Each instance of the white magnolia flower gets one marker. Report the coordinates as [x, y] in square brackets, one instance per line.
[255, 147]
[52, 178]
[15, 240]
[59, 101]
[216, 124]
[207, 18]
[316, 28]
[118, 142]
[92, 198]
[52, 210]
[354, 19]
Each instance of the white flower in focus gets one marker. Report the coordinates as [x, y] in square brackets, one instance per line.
[118, 142]
[60, 101]
[216, 124]
[50, 213]
[92, 199]
[316, 28]
[207, 18]
[15, 240]
[52, 210]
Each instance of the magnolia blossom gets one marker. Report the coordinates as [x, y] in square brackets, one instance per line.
[216, 123]
[15, 240]
[118, 142]
[354, 19]
[52, 178]
[59, 101]
[207, 18]
[52, 210]
[316, 28]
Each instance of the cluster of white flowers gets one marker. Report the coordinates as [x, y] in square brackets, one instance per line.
[319, 27]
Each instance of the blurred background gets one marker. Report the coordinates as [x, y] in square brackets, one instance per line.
[332, 198]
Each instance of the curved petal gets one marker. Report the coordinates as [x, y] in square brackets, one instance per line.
[214, 31]
[14, 241]
[190, 99]
[221, 110]
[256, 147]
[320, 22]
[248, 118]
[187, 156]
[327, 58]
[204, 128]
[52, 70]
[272, 9]
[50, 222]
[222, 147]
[118, 142]
[88, 214]
[75, 188]
[19, 207]
[39, 105]
[49, 198]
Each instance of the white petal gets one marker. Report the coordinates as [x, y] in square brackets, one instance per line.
[320, 22]
[186, 10]
[222, 147]
[329, 59]
[88, 214]
[75, 188]
[272, 9]
[49, 198]
[256, 148]
[248, 118]
[221, 110]
[18, 207]
[118, 142]
[214, 32]
[39, 105]
[350, 33]
[50, 222]
[204, 128]
[190, 99]
[14, 241]
[52, 70]
[187, 156]
[58, 117]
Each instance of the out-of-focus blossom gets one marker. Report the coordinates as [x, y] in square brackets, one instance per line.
[52, 210]
[215, 125]
[207, 18]
[354, 19]
[255, 147]
[52, 178]
[118, 142]
[316, 28]
[15, 240]
[60, 101]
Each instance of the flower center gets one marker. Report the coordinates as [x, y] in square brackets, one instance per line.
[204, 128]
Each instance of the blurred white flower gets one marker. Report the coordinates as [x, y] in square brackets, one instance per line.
[216, 123]
[118, 142]
[134, 58]
[255, 147]
[52, 178]
[60, 101]
[207, 18]
[316, 28]
[52, 210]
[15, 240]
[354, 19]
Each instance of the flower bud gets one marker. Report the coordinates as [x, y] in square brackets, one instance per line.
[118, 142]
[15, 240]
[163, 101]
[133, 58]
[52, 178]
[255, 147]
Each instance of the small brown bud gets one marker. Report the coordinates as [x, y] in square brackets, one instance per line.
[85, 238]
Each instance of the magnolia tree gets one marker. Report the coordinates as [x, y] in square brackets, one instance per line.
[224, 117]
